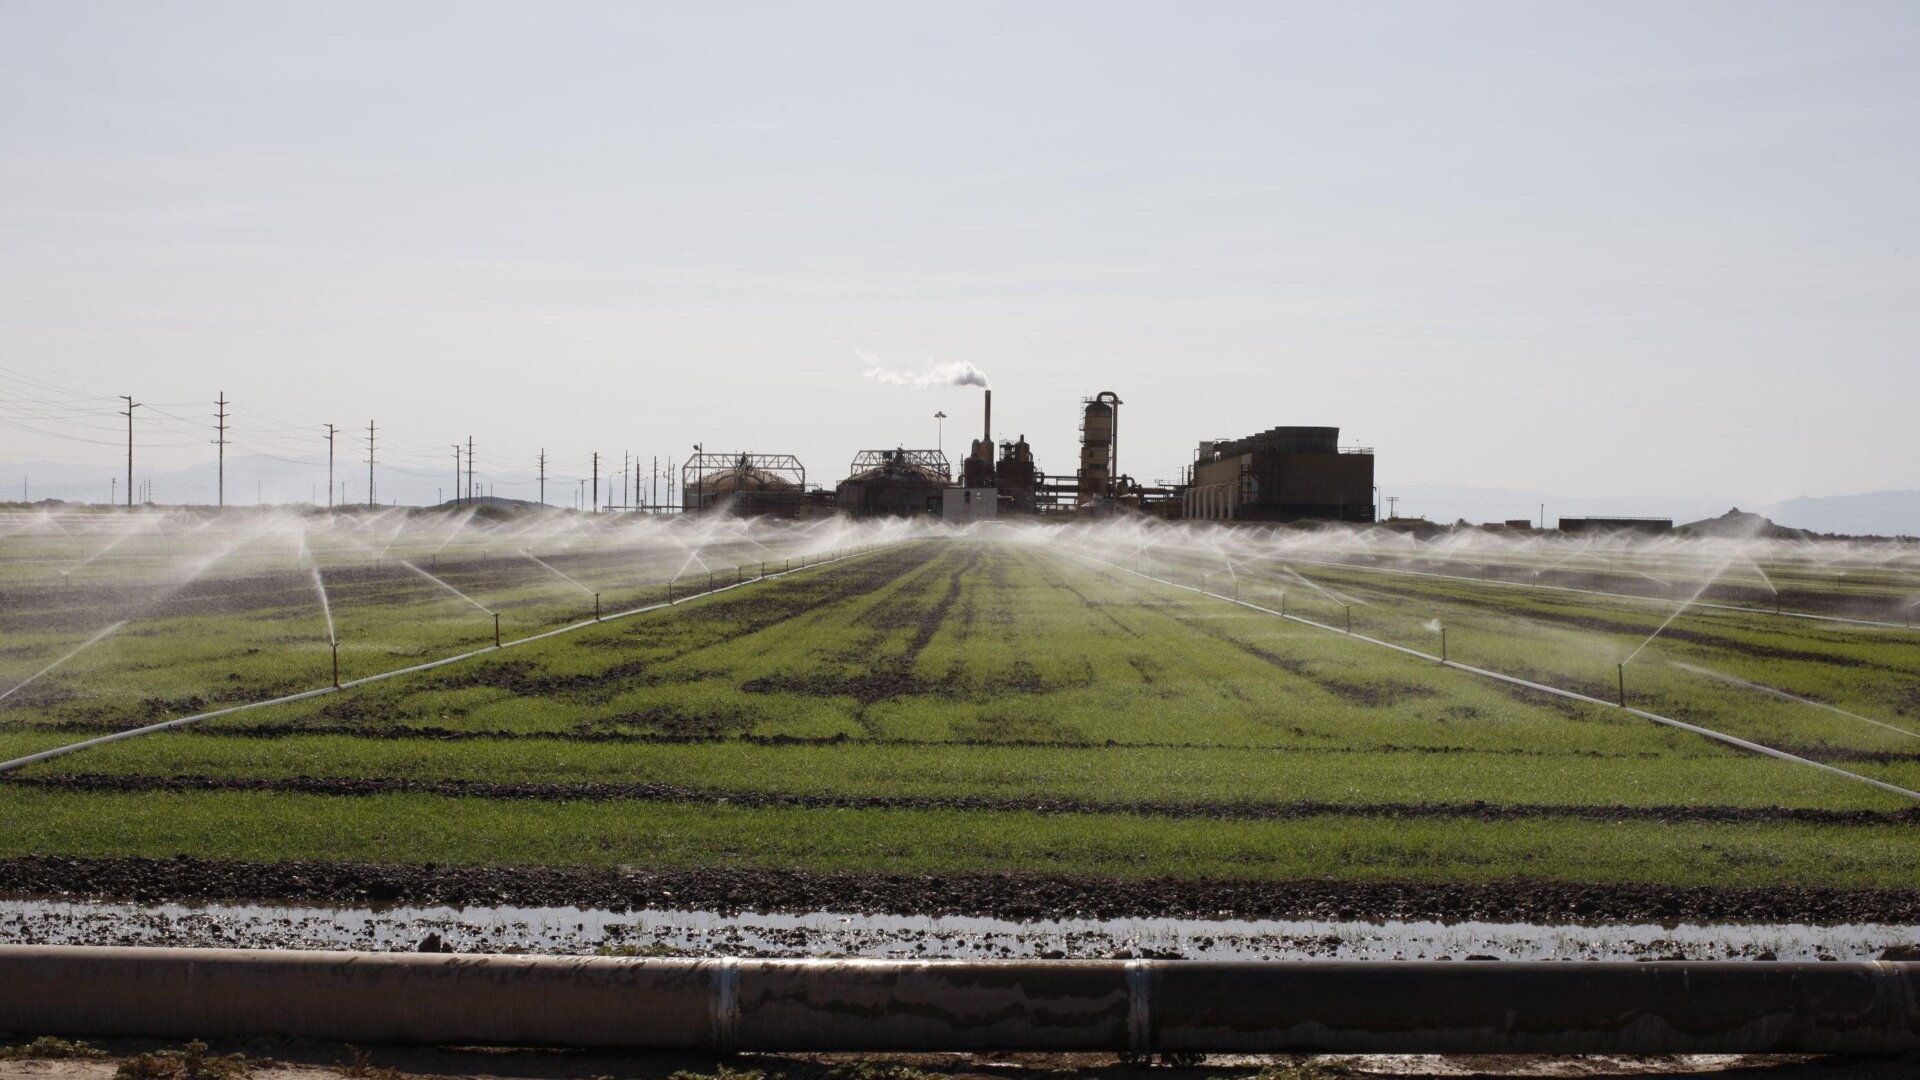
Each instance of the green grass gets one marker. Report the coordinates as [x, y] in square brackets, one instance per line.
[417, 828]
[1002, 669]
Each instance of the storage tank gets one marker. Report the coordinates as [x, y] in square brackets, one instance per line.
[1099, 445]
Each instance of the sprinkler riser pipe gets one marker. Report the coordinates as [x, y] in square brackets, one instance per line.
[496, 629]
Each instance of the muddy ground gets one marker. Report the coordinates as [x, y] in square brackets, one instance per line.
[289, 1059]
[1002, 895]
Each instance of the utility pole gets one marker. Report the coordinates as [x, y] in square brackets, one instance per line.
[653, 486]
[220, 440]
[469, 468]
[543, 476]
[131, 405]
[371, 504]
[330, 430]
[594, 507]
[626, 458]
[1393, 502]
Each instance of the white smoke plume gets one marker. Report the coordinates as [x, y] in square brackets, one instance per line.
[958, 373]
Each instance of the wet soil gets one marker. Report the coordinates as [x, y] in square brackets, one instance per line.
[999, 895]
[304, 1059]
[673, 793]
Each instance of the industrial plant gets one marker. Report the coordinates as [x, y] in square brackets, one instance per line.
[1283, 474]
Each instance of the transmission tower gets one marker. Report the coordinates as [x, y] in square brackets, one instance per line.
[131, 405]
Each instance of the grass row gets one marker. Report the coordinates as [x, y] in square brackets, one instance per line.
[422, 828]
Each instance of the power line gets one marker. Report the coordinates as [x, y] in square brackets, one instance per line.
[220, 429]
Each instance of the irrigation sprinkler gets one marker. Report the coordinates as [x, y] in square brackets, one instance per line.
[596, 607]
[336, 665]
[1349, 608]
[1623, 685]
[1443, 644]
[496, 629]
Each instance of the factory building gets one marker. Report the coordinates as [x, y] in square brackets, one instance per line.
[894, 483]
[1281, 474]
[745, 484]
[1643, 525]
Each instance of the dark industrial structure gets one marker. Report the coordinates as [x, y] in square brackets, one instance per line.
[1099, 449]
[894, 483]
[1281, 474]
[744, 484]
[1645, 525]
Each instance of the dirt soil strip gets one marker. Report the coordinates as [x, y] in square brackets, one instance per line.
[998, 895]
[59, 751]
[429, 733]
[673, 793]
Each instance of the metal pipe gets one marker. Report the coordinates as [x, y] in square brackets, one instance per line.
[1137, 1006]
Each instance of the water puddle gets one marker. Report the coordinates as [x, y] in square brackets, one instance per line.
[568, 930]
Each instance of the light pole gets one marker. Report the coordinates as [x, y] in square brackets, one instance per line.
[940, 429]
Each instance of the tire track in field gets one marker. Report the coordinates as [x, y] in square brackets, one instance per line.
[355, 787]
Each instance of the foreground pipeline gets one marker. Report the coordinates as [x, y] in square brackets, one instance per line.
[1130, 1006]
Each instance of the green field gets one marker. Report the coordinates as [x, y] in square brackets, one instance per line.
[1016, 700]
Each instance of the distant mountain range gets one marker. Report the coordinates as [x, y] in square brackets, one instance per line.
[255, 478]
[1878, 513]
[274, 480]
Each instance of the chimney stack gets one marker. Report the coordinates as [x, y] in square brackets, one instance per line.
[989, 434]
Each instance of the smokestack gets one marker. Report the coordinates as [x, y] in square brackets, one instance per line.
[989, 435]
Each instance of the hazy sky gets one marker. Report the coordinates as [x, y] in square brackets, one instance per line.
[1664, 247]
